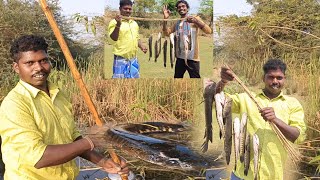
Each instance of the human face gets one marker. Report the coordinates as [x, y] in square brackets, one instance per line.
[126, 10]
[274, 81]
[182, 9]
[33, 68]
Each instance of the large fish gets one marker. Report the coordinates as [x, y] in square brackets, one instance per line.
[227, 117]
[220, 100]
[243, 134]
[165, 153]
[236, 139]
[172, 53]
[247, 155]
[186, 41]
[165, 44]
[208, 96]
[150, 47]
[256, 155]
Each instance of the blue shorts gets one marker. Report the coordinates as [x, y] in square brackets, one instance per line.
[125, 68]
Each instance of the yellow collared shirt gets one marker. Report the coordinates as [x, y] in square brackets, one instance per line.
[30, 120]
[272, 153]
[127, 43]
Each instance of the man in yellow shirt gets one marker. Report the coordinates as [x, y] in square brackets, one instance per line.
[284, 111]
[186, 32]
[124, 36]
[39, 137]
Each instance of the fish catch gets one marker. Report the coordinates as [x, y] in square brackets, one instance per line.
[220, 101]
[243, 134]
[150, 47]
[227, 118]
[161, 152]
[247, 155]
[165, 44]
[157, 47]
[256, 155]
[236, 139]
[172, 53]
[208, 95]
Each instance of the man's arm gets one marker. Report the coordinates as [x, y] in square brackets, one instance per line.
[166, 14]
[142, 47]
[115, 33]
[199, 23]
[62, 153]
[290, 132]
[59, 154]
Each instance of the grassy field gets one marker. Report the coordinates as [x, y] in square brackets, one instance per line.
[151, 69]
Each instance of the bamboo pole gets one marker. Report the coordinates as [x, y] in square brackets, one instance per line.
[75, 73]
[149, 19]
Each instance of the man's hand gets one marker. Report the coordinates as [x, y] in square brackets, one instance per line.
[118, 18]
[166, 12]
[226, 75]
[191, 19]
[144, 49]
[268, 114]
[111, 167]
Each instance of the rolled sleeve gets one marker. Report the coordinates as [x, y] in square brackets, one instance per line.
[111, 27]
[206, 29]
[20, 129]
[296, 119]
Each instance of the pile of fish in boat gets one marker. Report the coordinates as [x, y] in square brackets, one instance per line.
[241, 138]
[157, 49]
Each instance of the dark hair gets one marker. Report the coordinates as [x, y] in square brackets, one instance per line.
[27, 43]
[125, 2]
[182, 1]
[274, 64]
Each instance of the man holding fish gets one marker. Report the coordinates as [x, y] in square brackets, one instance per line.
[186, 40]
[284, 111]
[124, 36]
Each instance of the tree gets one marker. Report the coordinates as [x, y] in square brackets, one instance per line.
[19, 17]
[206, 9]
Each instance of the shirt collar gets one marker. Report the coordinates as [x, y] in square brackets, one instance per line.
[280, 96]
[53, 89]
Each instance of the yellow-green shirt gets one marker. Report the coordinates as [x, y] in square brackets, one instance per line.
[30, 120]
[127, 43]
[272, 153]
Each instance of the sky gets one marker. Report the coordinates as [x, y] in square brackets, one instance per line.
[227, 7]
[96, 7]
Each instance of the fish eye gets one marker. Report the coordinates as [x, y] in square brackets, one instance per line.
[172, 161]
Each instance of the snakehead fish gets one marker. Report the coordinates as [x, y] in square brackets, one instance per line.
[208, 95]
[236, 139]
[172, 54]
[157, 47]
[220, 99]
[256, 155]
[247, 155]
[165, 44]
[227, 117]
[165, 153]
[150, 47]
[243, 134]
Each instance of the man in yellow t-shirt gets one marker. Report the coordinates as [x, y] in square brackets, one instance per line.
[186, 33]
[39, 137]
[284, 111]
[124, 36]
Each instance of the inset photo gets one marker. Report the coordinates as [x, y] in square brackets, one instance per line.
[158, 39]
